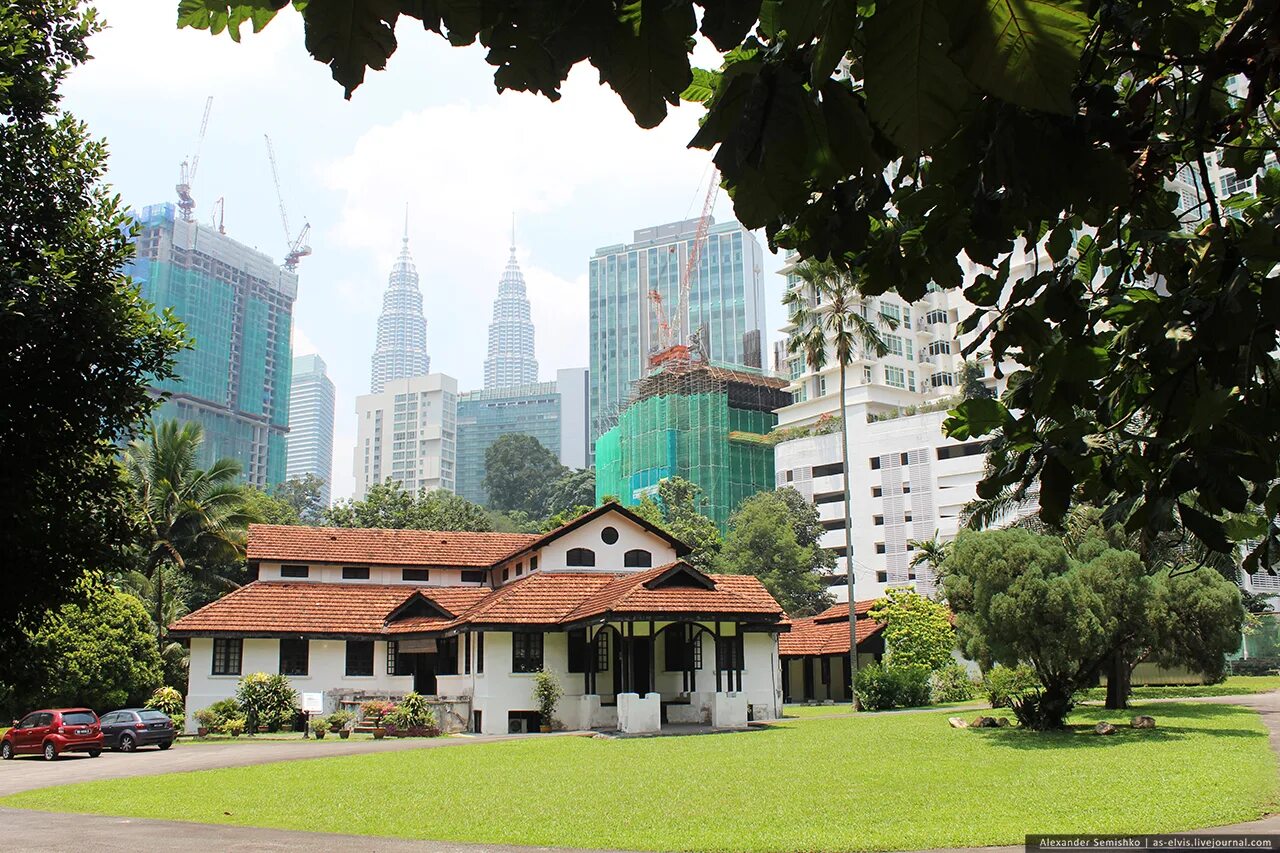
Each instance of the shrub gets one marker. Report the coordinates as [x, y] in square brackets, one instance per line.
[234, 726]
[267, 700]
[881, 687]
[168, 701]
[209, 719]
[917, 629]
[319, 722]
[1006, 685]
[546, 693]
[952, 683]
[340, 719]
[376, 709]
[413, 712]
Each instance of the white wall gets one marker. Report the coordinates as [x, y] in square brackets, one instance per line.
[608, 557]
[332, 573]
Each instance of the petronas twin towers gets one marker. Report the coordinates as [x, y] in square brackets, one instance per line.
[401, 350]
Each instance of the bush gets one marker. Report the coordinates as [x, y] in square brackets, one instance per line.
[168, 701]
[1004, 685]
[881, 687]
[206, 718]
[340, 719]
[413, 712]
[376, 709]
[952, 683]
[234, 727]
[546, 693]
[267, 700]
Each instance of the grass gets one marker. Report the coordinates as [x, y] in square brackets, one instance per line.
[842, 709]
[872, 782]
[1235, 685]
[277, 737]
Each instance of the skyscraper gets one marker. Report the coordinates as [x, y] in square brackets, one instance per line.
[401, 351]
[510, 361]
[407, 433]
[726, 301]
[311, 402]
[237, 305]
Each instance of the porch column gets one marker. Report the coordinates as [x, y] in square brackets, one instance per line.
[719, 686]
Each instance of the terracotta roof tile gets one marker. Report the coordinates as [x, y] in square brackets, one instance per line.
[276, 607]
[828, 632]
[542, 598]
[733, 594]
[375, 546]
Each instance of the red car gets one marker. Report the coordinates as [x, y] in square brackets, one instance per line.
[53, 732]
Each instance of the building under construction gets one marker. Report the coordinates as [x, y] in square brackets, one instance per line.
[704, 422]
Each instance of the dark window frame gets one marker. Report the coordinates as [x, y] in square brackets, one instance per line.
[473, 575]
[577, 651]
[419, 575]
[602, 651]
[353, 648]
[393, 657]
[226, 652]
[638, 558]
[527, 651]
[609, 535]
[580, 558]
[292, 656]
[729, 651]
[355, 573]
[480, 653]
[295, 570]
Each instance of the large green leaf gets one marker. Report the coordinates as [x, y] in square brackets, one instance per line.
[1024, 51]
[218, 15]
[975, 417]
[914, 90]
[645, 57]
[350, 36]
[727, 22]
[839, 20]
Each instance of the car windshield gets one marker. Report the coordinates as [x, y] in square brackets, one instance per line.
[153, 716]
[78, 718]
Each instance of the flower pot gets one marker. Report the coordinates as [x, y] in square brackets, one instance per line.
[344, 734]
[235, 734]
[379, 733]
[319, 733]
[262, 730]
[202, 731]
[545, 729]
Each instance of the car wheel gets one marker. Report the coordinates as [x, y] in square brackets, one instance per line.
[6, 750]
[126, 743]
[50, 751]
[166, 744]
[94, 753]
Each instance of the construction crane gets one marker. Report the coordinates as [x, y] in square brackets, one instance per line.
[677, 349]
[298, 246]
[187, 173]
[218, 217]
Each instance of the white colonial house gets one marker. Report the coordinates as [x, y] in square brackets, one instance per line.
[638, 637]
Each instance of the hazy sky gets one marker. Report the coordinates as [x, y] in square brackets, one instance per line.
[431, 131]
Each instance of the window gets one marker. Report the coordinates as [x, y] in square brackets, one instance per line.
[866, 374]
[480, 653]
[447, 655]
[907, 518]
[526, 651]
[911, 380]
[288, 571]
[895, 376]
[894, 344]
[79, 718]
[729, 653]
[877, 520]
[355, 573]
[293, 657]
[790, 476]
[936, 316]
[879, 547]
[875, 463]
[682, 653]
[466, 654]
[533, 563]
[580, 557]
[955, 451]
[415, 574]
[904, 459]
[939, 380]
[578, 650]
[473, 576]
[882, 577]
[822, 386]
[609, 535]
[877, 491]
[828, 498]
[359, 657]
[227, 652]
[393, 658]
[826, 670]
[519, 570]
[828, 470]
[637, 558]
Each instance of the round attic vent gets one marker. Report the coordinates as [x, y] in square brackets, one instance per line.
[609, 535]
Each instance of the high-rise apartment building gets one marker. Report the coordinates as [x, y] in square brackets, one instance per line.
[510, 361]
[401, 350]
[311, 404]
[408, 433]
[237, 305]
[726, 305]
[555, 413]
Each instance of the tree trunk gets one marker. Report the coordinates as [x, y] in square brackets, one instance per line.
[1119, 678]
[848, 544]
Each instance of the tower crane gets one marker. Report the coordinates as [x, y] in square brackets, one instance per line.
[677, 349]
[187, 173]
[298, 246]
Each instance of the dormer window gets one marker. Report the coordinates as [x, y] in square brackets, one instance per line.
[580, 557]
[294, 571]
[637, 558]
[355, 573]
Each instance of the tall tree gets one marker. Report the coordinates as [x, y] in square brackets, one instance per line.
[303, 494]
[762, 541]
[971, 385]
[573, 488]
[389, 505]
[681, 503]
[519, 473]
[78, 345]
[977, 130]
[187, 514]
[268, 508]
[826, 310]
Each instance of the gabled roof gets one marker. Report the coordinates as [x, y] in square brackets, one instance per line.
[736, 595]
[828, 632]
[266, 608]
[681, 549]
[383, 547]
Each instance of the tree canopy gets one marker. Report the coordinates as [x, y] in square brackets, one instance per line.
[519, 474]
[773, 539]
[917, 629]
[389, 505]
[900, 139]
[78, 345]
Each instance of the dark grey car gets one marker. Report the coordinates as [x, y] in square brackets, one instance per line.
[130, 728]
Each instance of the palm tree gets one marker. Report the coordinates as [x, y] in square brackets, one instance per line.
[186, 512]
[826, 310]
[929, 552]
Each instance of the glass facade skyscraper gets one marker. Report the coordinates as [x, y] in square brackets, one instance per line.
[510, 361]
[485, 416]
[401, 351]
[311, 404]
[237, 305]
[726, 302]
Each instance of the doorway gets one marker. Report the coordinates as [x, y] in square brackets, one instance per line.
[631, 660]
[422, 666]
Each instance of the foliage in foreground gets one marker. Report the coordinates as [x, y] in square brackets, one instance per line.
[389, 505]
[1213, 763]
[881, 686]
[266, 699]
[952, 683]
[917, 629]
[78, 345]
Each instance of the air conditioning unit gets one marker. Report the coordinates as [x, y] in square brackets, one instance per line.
[517, 727]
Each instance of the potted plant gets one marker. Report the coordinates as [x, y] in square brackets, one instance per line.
[413, 717]
[207, 720]
[340, 723]
[377, 710]
[546, 693]
[234, 726]
[319, 726]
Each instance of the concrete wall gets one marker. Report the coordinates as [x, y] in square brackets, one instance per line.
[378, 575]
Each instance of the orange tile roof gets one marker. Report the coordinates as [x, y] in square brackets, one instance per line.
[383, 547]
[738, 594]
[278, 607]
[828, 632]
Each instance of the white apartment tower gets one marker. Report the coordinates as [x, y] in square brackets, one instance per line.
[401, 350]
[510, 361]
[408, 433]
[311, 404]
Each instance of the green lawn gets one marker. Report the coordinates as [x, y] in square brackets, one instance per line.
[841, 709]
[874, 782]
[1235, 685]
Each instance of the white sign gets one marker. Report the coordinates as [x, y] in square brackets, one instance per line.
[312, 703]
